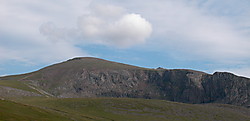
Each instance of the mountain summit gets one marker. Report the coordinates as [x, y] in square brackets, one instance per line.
[94, 77]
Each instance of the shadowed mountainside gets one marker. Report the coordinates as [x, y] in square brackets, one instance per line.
[93, 77]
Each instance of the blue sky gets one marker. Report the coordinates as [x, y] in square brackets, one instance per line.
[205, 35]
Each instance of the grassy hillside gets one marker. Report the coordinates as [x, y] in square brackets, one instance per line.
[126, 109]
[16, 84]
[10, 111]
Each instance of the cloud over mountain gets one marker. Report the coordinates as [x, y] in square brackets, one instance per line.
[112, 26]
[214, 32]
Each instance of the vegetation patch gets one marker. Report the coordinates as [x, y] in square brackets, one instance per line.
[11, 111]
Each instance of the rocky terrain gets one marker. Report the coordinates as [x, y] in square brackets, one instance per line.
[93, 77]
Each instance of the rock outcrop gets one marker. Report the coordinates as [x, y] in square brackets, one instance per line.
[92, 77]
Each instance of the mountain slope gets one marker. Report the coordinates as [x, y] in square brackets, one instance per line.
[11, 111]
[129, 109]
[93, 77]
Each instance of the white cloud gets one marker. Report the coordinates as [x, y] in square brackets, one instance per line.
[106, 11]
[42, 52]
[20, 38]
[111, 26]
[47, 31]
[127, 30]
[8, 54]
[196, 31]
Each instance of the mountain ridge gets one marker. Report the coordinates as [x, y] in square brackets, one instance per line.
[93, 77]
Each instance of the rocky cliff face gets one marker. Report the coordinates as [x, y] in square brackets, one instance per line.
[227, 88]
[91, 77]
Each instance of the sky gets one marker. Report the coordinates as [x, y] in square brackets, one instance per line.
[204, 35]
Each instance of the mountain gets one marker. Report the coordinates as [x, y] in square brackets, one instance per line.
[93, 77]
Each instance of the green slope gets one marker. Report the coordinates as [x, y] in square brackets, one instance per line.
[126, 109]
[16, 84]
[10, 111]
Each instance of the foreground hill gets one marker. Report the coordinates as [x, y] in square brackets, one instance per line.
[11, 111]
[117, 109]
[93, 77]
